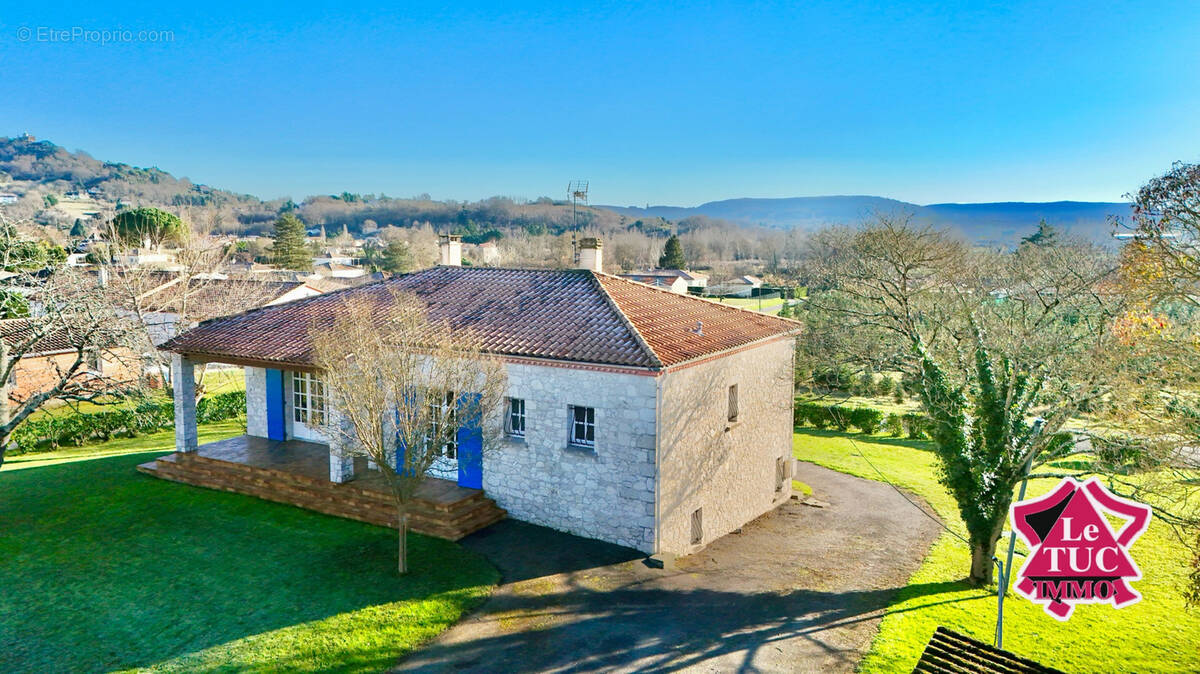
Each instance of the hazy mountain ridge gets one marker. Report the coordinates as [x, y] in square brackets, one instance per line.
[42, 169]
[997, 222]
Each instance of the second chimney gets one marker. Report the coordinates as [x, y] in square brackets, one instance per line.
[450, 250]
[591, 254]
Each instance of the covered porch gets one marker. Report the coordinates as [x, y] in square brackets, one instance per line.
[284, 457]
[296, 472]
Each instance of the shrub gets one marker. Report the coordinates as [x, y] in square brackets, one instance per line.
[894, 425]
[866, 384]
[146, 417]
[839, 416]
[838, 378]
[866, 419]
[886, 385]
[916, 426]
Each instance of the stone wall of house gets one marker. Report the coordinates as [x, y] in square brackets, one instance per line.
[256, 401]
[608, 493]
[726, 469]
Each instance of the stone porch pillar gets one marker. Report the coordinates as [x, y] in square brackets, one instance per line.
[341, 459]
[183, 379]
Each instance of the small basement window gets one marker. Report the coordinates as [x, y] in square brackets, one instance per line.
[583, 427]
[733, 403]
[515, 424]
[697, 526]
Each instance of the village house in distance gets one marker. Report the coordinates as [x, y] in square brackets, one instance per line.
[634, 415]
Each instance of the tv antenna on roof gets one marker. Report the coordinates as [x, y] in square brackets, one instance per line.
[577, 192]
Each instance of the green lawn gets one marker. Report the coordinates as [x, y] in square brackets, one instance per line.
[1157, 634]
[103, 568]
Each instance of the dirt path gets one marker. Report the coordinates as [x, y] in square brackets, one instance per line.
[799, 589]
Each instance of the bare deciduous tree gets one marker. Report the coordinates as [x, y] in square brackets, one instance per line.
[402, 386]
[991, 339]
[71, 316]
[168, 302]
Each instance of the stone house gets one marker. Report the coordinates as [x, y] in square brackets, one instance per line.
[633, 415]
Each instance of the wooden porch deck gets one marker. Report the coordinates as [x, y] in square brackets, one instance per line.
[297, 473]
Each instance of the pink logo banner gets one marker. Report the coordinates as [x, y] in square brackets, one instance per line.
[1076, 556]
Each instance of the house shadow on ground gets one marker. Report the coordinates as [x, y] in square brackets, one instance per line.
[800, 589]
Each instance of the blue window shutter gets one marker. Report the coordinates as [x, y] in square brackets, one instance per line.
[470, 442]
[276, 429]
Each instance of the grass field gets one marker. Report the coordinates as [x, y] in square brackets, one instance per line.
[103, 568]
[1156, 635]
[766, 306]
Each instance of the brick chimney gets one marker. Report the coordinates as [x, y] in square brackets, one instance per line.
[591, 254]
[450, 250]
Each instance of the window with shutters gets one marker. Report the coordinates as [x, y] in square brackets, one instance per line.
[698, 526]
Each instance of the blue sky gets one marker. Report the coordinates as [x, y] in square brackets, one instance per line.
[667, 103]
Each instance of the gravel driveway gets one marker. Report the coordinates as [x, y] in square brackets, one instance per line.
[800, 589]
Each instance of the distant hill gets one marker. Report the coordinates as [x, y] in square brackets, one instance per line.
[41, 173]
[1002, 222]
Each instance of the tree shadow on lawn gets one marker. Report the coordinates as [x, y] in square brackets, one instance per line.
[665, 630]
[102, 567]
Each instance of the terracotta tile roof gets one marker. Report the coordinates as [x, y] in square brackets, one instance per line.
[668, 321]
[19, 331]
[570, 315]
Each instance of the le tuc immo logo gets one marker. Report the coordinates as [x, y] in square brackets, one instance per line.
[1076, 556]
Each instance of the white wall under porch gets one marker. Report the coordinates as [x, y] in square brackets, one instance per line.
[341, 463]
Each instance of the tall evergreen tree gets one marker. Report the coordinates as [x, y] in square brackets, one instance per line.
[290, 250]
[672, 257]
[1046, 235]
[78, 231]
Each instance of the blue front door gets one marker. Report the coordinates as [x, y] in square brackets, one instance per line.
[470, 442]
[276, 429]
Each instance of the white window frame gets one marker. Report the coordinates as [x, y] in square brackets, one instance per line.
[444, 411]
[514, 423]
[310, 402]
[577, 430]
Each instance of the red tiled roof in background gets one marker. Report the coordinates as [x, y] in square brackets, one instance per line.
[570, 315]
[19, 331]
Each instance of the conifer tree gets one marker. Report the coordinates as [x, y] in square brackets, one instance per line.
[672, 257]
[290, 250]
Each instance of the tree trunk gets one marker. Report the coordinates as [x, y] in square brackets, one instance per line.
[981, 562]
[402, 565]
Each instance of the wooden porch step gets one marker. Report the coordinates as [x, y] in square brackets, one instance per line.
[451, 521]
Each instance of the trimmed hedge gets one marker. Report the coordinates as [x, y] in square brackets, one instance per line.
[841, 417]
[124, 422]
[866, 419]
